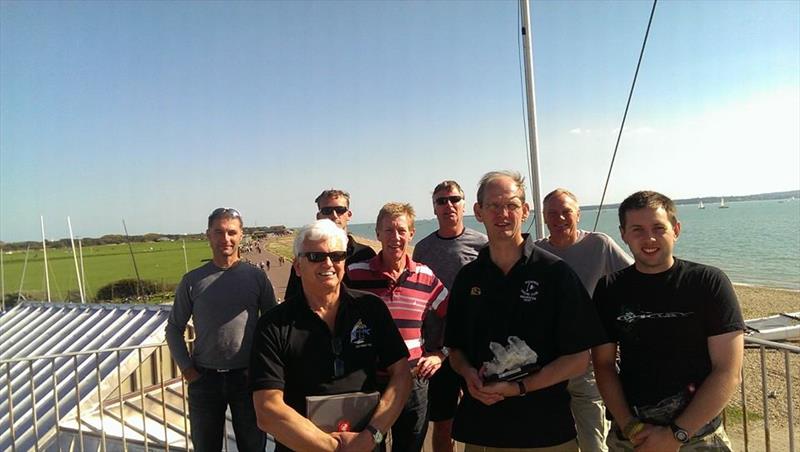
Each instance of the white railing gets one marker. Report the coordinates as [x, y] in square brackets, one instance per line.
[132, 398]
[775, 375]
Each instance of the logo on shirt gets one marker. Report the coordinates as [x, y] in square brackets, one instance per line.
[360, 334]
[475, 291]
[529, 291]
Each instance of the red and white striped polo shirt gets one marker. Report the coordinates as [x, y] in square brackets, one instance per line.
[417, 292]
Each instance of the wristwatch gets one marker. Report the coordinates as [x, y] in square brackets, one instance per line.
[377, 435]
[681, 435]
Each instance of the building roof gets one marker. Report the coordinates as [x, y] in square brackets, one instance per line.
[58, 353]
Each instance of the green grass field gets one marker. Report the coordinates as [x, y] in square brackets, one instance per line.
[161, 262]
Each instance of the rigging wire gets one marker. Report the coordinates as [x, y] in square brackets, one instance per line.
[520, 37]
[625, 115]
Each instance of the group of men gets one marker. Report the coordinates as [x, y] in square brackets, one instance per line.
[665, 335]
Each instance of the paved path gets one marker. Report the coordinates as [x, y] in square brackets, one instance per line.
[278, 274]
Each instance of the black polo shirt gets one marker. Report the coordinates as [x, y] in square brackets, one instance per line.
[541, 301]
[356, 252]
[293, 348]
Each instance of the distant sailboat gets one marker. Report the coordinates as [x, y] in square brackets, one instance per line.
[701, 206]
[722, 203]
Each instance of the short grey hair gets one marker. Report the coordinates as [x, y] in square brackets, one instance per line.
[493, 175]
[320, 230]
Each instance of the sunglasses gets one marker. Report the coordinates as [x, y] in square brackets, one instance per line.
[451, 199]
[225, 211]
[340, 210]
[319, 256]
[338, 363]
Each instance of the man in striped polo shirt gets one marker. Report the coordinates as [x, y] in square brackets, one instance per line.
[412, 292]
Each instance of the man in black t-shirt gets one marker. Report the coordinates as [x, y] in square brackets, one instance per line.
[679, 331]
[514, 288]
[334, 205]
[327, 340]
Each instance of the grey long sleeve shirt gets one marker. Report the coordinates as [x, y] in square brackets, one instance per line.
[225, 305]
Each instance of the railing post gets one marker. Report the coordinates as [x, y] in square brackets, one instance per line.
[744, 413]
[11, 409]
[33, 407]
[121, 404]
[762, 348]
[160, 361]
[141, 400]
[56, 401]
[789, 399]
[100, 401]
[78, 399]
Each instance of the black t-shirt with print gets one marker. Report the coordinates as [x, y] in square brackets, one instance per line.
[662, 323]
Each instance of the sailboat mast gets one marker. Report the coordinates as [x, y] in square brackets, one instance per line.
[75, 258]
[530, 95]
[44, 252]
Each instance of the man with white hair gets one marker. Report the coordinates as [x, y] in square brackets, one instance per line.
[326, 340]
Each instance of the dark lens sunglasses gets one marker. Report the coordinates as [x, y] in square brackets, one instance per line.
[319, 256]
[340, 210]
[225, 211]
[338, 362]
[451, 199]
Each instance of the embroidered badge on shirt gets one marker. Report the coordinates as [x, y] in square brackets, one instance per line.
[475, 291]
[359, 335]
[529, 291]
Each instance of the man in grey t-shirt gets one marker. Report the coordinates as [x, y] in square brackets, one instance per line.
[591, 255]
[224, 299]
[445, 251]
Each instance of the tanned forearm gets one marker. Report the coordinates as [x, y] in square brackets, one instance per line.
[558, 370]
[287, 425]
[394, 397]
[726, 352]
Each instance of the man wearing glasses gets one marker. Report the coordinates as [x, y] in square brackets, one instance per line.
[224, 298]
[516, 289]
[414, 295]
[334, 205]
[445, 251]
[327, 340]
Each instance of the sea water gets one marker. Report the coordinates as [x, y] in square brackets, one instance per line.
[754, 242]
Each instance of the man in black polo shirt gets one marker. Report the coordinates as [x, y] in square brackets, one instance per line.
[327, 340]
[334, 205]
[514, 288]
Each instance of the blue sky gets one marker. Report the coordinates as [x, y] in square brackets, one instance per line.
[158, 112]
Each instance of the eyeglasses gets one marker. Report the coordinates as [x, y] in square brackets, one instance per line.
[340, 210]
[451, 199]
[338, 363]
[224, 211]
[319, 256]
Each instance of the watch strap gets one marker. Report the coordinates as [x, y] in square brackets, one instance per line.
[680, 434]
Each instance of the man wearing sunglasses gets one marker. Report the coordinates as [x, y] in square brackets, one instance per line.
[224, 298]
[445, 251]
[414, 295]
[327, 340]
[334, 205]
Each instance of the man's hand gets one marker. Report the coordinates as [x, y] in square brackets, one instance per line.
[655, 438]
[190, 374]
[503, 388]
[476, 388]
[428, 365]
[354, 441]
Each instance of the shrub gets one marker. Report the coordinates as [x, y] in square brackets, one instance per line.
[127, 288]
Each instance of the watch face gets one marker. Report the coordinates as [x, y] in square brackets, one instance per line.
[378, 437]
[682, 436]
